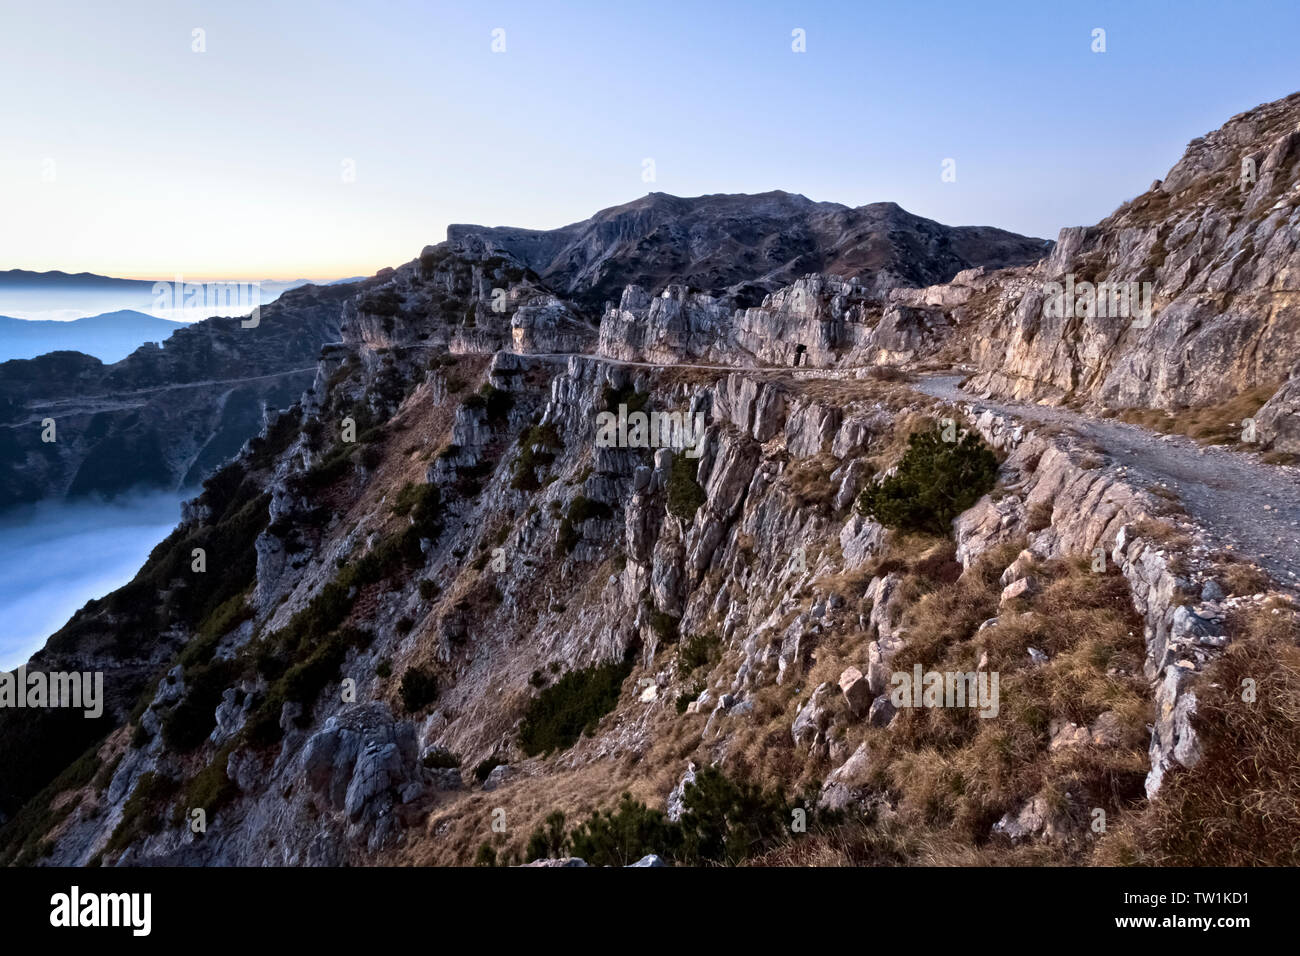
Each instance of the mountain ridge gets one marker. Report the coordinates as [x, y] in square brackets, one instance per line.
[444, 599]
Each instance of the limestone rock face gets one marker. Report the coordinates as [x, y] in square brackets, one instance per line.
[1278, 422]
[809, 727]
[1220, 253]
[359, 762]
[848, 783]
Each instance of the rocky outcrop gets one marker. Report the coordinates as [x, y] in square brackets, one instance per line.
[1216, 243]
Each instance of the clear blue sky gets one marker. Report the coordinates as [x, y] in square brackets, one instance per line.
[229, 162]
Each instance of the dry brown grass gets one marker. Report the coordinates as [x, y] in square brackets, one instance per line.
[1217, 424]
[890, 373]
[1040, 515]
[1239, 576]
[1161, 533]
[809, 480]
[1240, 806]
[1171, 502]
[952, 770]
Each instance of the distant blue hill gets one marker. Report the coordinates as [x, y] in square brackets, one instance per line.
[62, 295]
[109, 337]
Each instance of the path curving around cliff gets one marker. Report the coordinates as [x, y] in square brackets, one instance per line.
[1248, 507]
[1252, 507]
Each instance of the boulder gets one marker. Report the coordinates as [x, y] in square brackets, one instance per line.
[1021, 588]
[856, 691]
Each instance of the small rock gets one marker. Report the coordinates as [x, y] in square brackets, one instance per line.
[499, 775]
[564, 861]
[848, 783]
[882, 711]
[1025, 587]
[856, 691]
[1211, 591]
[1068, 736]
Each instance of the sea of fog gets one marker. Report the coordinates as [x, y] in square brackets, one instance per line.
[56, 556]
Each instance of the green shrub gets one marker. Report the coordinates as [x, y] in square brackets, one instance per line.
[627, 395]
[141, 814]
[935, 482]
[439, 758]
[548, 840]
[567, 537]
[728, 821]
[496, 401]
[419, 688]
[574, 704]
[211, 789]
[192, 719]
[665, 625]
[538, 445]
[698, 651]
[684, 493]
[625, 835]
[581, 509]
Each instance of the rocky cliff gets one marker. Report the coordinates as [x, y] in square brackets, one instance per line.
[1214, 242]
[460, 605]
[163, 417]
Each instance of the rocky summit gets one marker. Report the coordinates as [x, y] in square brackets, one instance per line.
[733, 529]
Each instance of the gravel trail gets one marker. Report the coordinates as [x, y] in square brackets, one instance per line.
[1242, 502]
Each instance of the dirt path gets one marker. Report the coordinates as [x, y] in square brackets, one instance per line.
[136, 398]
[1242, 502]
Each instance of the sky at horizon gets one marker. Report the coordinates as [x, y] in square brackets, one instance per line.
[326, 140]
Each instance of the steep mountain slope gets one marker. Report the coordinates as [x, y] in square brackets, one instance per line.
[163, 417]
[444, 619]
[748, 245]
[416, 628]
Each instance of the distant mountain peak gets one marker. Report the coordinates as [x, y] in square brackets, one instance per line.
[747, 244]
